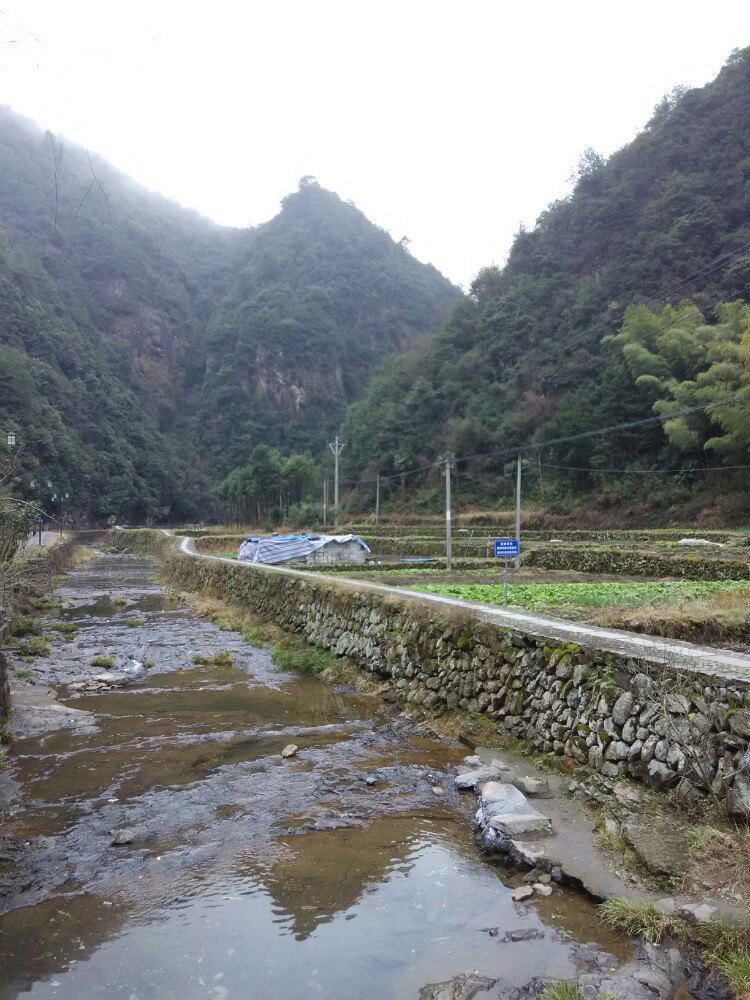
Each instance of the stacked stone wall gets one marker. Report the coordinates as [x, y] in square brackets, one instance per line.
[603, 710]
[4, 687]
[633, 563]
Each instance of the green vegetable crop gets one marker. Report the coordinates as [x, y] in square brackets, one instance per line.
[592, 595]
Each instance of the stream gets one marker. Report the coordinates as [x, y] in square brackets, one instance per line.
[339, 872]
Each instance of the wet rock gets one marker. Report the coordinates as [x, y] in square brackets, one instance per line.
[111, 679]
[478, 776]
[124, 836]
[291, 749]
[592, 955]
[521, 934]
[522, 892]
[523, 853]
[437, 790]
[463, 987]
[542, 890]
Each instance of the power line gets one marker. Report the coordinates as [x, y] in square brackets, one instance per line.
[603, 355]
[646, 472]
[656, 298]
[594, 432]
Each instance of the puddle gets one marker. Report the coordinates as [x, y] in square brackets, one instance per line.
[337, 872]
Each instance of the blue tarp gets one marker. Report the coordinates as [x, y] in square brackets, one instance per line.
[282, 548]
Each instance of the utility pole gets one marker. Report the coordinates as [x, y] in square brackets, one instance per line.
[336, 448]
[377, 501]
[448, 563]
[325, 498]
[518, 509]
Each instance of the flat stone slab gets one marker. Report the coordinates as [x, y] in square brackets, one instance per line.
[479, 775]
[513, 826]
[502, 794]
[36, 710]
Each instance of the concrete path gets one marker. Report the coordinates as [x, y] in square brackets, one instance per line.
[48, 538]
[704, 659]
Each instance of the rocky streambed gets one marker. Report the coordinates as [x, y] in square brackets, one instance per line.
[157, 843]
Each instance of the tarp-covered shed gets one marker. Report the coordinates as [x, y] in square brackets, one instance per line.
[310, 549]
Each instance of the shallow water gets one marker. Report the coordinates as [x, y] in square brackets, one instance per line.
[337, 873]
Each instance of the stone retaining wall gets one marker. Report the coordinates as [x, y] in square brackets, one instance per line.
[621, 561]
[35, 576]
[4, 687]
[602, 710]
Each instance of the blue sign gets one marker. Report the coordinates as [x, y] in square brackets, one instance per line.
[506, 547]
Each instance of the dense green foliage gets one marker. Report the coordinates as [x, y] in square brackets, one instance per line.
[680, 361]
[104, 292]
[529, 356]
[589, 595]
[143, 348]
[322, 298]
[266, 487]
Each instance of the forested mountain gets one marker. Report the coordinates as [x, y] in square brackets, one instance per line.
[322, 298]
[530, 355]
[143, 347]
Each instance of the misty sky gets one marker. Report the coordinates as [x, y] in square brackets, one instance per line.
[449, 123]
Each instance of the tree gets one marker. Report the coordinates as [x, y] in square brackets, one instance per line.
[678, 360]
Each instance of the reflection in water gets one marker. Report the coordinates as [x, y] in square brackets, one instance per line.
[336, 874]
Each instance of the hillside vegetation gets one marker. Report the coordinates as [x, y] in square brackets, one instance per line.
[144, 348]
[547, 346]
[321, 299]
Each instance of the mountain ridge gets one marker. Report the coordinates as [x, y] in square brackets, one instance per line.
[110, 294]
[529, 354]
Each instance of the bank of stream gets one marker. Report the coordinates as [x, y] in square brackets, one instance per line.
[347, 870]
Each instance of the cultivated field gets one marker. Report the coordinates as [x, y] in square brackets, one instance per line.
[644, 580]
